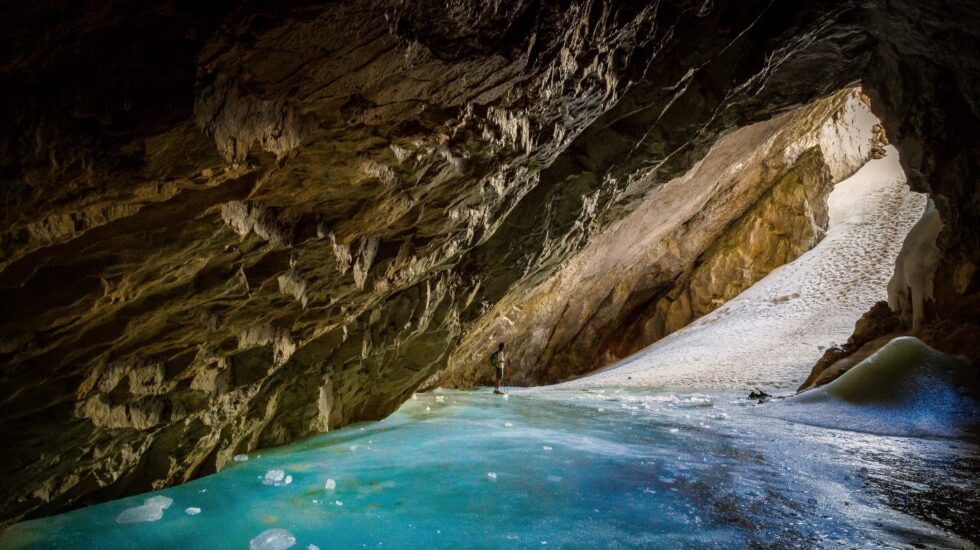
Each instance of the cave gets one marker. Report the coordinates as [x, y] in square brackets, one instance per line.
[257, 259]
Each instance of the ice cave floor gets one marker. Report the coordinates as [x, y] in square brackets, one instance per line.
[567, 469]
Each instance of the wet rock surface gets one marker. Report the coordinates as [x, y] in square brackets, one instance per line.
[230, 225]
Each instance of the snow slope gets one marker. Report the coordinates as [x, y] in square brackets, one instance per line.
[771, 335]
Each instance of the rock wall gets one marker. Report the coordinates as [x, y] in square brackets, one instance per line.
[227, 225]
[756, 201]
[919, 87]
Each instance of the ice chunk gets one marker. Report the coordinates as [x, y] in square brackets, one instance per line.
[696, 400]
[546, 447]
[240, 458]
[674, 430]
[312, 547]
[192, 511]
[338, 503]
[277, 478]
[161, 501]
[273, 476]
[331, 485]
[492, 475]
[272, 539]
[151, 510]
[905, 388]
[508, 424]
[139, 514]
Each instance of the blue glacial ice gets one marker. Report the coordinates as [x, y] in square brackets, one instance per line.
[710, 470]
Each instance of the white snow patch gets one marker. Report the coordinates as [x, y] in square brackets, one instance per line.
[272, 539]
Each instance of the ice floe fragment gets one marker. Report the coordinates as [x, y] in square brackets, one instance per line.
[151, 510]
[240, 458]
[192, 511]
[277, 478]
[161, 501]
[272, 539]
[331, 485]
[492, 475]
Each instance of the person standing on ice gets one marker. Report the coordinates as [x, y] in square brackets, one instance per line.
[497, 360]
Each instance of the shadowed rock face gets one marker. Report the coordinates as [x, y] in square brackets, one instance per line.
[229, 225]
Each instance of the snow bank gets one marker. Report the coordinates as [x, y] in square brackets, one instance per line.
[906, 388]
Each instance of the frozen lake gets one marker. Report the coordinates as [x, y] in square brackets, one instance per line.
[568, 469]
